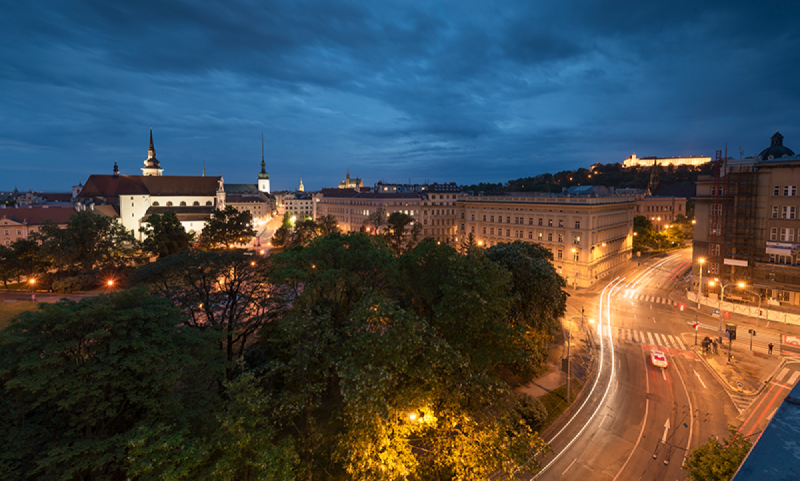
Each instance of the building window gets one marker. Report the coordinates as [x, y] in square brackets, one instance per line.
[540, 236]
[7, 232]
[577, 224]
[484, 218]
[155, 204]
[208, 202]
[530, 235]
[508, 233]
[540, 221]
[530, 221]
[198, 203]
[484, 231]
[183, 204]
[508, 219]
[561, 222]
[561, 238]
[785, 190]
[549, 237]
[787, 235]
[716, 209]
[491, 231]
[491, 219]
[549, 222]
[19, 231]
[169, 204]
[714, 250]
[576, 239]
[793, 191]
[576, 257]
[775, 210]
[559, 254]
[713, 268]
[773, 234]
[472, 229]
[776, 191]
[789, 212]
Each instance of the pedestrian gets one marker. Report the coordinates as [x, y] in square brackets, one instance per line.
[715, 346]
[770, 348]
[33, 297]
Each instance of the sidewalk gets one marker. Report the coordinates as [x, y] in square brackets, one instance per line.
[752, 369]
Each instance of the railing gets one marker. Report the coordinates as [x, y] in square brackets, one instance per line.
[767, 314]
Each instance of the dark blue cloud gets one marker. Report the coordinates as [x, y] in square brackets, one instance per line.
[463, 91]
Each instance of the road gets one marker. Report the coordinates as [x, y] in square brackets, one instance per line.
[636, 421]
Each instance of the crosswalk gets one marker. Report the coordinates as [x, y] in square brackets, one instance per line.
[646, 337]
[630, 294]
[741, 402]
[784, 376]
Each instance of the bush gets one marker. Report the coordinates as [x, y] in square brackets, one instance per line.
[67, 285]
[532, 411]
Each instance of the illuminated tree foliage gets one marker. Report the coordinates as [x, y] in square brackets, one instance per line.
[715, 460]
[387, 367]
[226, 228]
[165, 235]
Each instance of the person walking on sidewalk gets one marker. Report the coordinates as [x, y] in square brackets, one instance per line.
[770, 348]
[715, 346]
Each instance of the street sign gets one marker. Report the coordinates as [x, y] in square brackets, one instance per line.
[726, 315]
[792, 340]
[739, 384]
[715, 312]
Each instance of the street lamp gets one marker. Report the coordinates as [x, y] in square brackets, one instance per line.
[32, 282]
[700, 284]
[740, 285]
[575, 265]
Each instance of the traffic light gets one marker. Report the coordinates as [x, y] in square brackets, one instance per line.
[696, 327]
[682, 307]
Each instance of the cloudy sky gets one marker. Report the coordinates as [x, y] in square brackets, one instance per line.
[463, 91]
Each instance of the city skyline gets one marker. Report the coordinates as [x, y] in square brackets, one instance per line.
[393, 91]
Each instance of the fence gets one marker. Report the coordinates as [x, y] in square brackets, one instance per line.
[766, 314]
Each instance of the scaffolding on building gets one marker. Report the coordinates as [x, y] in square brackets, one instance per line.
[734, 220]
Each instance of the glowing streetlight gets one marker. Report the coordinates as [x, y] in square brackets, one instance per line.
[32, 282]
[110, 283]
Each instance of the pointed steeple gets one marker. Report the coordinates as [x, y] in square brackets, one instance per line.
[116, 169]
[653, 185]
[152, 166]
[263, 175]
[348, 173]
[204, 169]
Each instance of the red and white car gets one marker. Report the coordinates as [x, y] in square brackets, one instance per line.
[658, 359]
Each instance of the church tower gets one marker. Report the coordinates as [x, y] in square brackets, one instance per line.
[263, 176]
[301, 188]
[152, 166]
[653, 185]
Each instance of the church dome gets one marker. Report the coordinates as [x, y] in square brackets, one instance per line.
[776, 150]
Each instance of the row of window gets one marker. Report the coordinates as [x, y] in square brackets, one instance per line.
[521, 220]
[183, 204]
[784, 212]
[788, 191]
[784, 260]
[576, 239]
[8, 232]
[783, 234]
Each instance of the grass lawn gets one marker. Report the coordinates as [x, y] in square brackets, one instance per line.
[555, 401]
[8, 310]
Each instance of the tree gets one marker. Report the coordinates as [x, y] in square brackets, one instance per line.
[398, 235]
[328, 224]
[715, 461]
[281, 236]
[227, 227]
[89, 240]
[165, 235]
[77, 378]
[469, 244]
[222, 291]
[376, 220]
[8, 265]
[303, 232]
[26, 254]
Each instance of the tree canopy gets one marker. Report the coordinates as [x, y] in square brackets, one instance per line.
[227, 228]
[715, 460]
[165, 235]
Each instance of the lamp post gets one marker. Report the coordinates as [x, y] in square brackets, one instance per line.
[575, 264]
[722, 298]
[700, 284]
[32, 282]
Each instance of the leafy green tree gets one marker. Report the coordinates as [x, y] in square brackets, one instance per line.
[402, 232]
[223, 291]
[76, 379]
[469, 244]
[8, 265]
[715, 460]
[26, 254]
[287, 221]
[303, 232]
[89, 240]
[328, 224]
[376, 221]
[227, 227]
[165, 235]
[281, 236]
[241, 446]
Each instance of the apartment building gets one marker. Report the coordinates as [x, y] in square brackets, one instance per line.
[748, 229]
[19, 223]
[589, 235]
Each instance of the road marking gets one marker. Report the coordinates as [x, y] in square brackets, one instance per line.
[664, 374]
[753, 427]
[666, 428]
[658, 300]
[781, 374]
[700, 379]
[680, 343]
[691, 410]
[651, 338]
[644, 420]
[671, 339]
[570, 465]
[793, 379]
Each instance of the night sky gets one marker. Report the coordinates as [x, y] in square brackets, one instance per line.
[401, 90]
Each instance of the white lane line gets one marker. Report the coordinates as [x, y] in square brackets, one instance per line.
[680, 343]
[793, 379]
[691, 409]
[658, 300]
[664, 374]
[781, 374]
[672, 340]
[651, 338]
[596, 380]
[700, 379]
[570, 465]
[644, 420]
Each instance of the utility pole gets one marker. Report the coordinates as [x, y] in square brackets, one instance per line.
[569, 336]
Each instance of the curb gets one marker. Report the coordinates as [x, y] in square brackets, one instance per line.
[732, 389]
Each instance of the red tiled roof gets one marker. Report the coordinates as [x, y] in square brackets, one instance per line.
[35, 216]
[182, 185]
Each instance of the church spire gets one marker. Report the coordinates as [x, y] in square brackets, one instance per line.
[263, 164]
[204, 169]
[152, 166]
[116, 169]
[653, 185]
[152, 148]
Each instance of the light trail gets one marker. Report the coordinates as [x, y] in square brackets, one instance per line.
[610, 287]
[652, 268]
